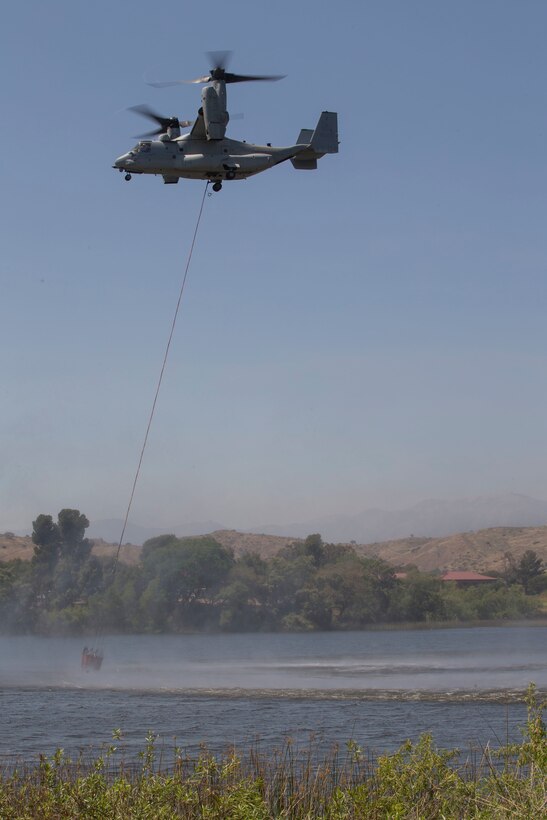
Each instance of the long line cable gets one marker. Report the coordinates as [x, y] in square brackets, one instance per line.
[160, 379]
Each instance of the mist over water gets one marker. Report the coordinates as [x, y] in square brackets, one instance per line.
[376, 687]
[437, 660]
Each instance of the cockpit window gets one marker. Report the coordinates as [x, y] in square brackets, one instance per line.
[142, 148]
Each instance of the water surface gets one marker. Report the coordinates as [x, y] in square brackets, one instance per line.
[378, 687]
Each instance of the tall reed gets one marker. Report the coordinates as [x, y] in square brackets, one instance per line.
[417, 781]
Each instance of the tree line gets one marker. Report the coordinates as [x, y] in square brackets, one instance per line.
[193, 584]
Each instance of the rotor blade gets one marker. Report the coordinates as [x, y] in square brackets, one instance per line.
[148, 134]
[163, 122]
[204, 79]
[248, 78]
[179, 82]
[146, 111]
[219, 59]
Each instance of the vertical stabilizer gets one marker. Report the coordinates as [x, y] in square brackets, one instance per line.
[324, 140]
[304, 137]
[325, 136]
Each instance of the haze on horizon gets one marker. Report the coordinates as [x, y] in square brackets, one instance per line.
[369, 335]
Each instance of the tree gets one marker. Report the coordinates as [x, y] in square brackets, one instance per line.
[289, 572]
[72, 525]
[418, 598]
[157, 542]
[16, 596]
[189, 572]
[65, 539]
[77, 575]
[63, 571]
[46, 539]
[528, 568]
[244, 595]
[359, 590]
[313, 546]
[316, 603]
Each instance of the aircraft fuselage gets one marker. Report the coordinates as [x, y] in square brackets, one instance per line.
[191, 158]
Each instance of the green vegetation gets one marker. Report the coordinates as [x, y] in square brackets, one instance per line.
[529, 572]
[418, 781]
[191, 584]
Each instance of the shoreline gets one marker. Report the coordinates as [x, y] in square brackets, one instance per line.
[533, 623]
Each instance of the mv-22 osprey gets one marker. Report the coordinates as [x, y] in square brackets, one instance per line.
[205, 152]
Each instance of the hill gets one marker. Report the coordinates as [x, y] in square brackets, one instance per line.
[14, 547]
[481, 551]
[431, 518]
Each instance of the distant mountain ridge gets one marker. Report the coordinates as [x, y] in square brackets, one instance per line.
[428, 519]
[432, 518]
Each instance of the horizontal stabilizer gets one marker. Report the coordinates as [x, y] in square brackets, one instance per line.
[304, 164]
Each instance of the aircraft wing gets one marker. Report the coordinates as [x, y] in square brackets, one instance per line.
[198, 129]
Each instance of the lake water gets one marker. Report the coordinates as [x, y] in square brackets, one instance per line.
[376, 687]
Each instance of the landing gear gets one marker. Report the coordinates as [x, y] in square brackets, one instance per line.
[217, 187]
[127, 177]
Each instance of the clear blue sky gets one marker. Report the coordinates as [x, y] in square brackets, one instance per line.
[369, 334]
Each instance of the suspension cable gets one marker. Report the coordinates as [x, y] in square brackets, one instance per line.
[160, 379]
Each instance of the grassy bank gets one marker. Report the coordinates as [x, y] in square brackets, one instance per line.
[417, 781]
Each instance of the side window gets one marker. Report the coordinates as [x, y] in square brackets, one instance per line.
[144, 147]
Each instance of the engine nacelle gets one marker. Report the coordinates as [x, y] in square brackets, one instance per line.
[214, 114]
[172, 131]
